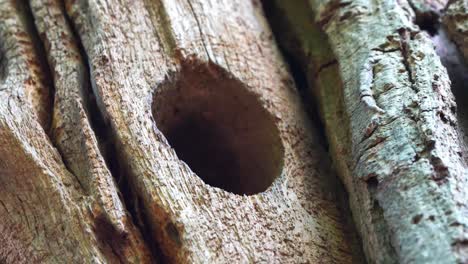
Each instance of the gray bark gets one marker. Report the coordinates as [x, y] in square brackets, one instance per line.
[455, 20]
[390, 118]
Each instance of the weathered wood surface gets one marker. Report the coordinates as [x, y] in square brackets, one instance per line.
[52, 212]
[132, 49]
[151, 65]
[390, 119]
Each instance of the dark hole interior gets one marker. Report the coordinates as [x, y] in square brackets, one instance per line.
[428, 21]
[219, 129]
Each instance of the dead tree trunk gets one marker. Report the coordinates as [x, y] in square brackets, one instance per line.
[102, 104]
[172, 131]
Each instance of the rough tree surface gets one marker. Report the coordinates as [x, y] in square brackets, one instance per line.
[93, 94]
[390, 118]
[154, 131]
[456, 22]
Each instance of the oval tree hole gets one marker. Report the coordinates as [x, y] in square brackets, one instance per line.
[219, 129]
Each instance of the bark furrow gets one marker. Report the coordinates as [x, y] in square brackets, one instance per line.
[164, 74]
[178, 45]
[399, 154]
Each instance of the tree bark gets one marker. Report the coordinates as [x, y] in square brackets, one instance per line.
[390, 118]
[104, 102]
[172, 131]
[455, 20]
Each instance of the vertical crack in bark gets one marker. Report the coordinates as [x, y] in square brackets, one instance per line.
[109, 239]
[457, 70]
[3, 64]
[302, 83]
[383, 233]
[305, 76]
[172, 205]
[202, 36]
[121, 173]
[110, 152]
[290, 51]
[404, 38]
[46, 71]
[96, 120]
[39, 51]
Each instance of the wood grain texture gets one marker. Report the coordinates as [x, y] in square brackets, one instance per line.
[133, 50]
[144, 62]
[52, 212]
[390, 119]
[75, 139]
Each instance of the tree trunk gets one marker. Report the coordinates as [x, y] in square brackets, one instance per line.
[172, 131]
[93, 96]
[455, 20]
[390, 118]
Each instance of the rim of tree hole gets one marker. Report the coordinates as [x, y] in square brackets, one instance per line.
[219, 129]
